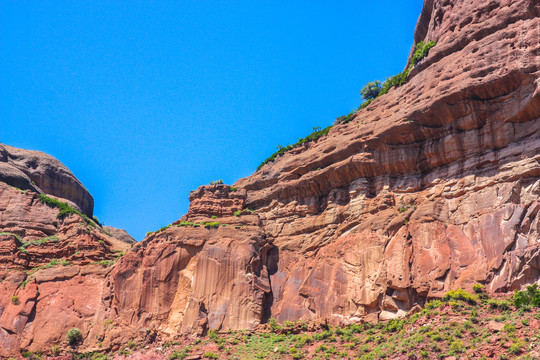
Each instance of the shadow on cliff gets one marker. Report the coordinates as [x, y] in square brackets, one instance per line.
[272, 261]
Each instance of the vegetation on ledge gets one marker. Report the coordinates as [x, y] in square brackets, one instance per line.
[65, 208]
[369, 92]
[317, 133]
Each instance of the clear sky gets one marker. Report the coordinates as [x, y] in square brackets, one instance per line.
[146, 100]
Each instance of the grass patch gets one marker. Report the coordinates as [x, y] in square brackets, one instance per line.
[42, 241]
[12, 234]
[316, 134]
[65, 208]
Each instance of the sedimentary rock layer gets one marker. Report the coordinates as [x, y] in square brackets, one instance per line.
[433, 186]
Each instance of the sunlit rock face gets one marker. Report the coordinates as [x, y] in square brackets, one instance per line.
[42, 173]
[53, 272]
[433, 186]
[203, 272]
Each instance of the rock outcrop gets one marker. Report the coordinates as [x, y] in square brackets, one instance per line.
[120, 234]
[433, 186]
[53, 271]
[39, 172]
[199, 273]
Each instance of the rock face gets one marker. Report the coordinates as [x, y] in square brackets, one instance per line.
[53, 271]
[434, 186]
[190, 277]
[120, 234]
[39, 172]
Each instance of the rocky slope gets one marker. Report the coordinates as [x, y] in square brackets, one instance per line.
[451, 329]
[52, 269]
[434, 186]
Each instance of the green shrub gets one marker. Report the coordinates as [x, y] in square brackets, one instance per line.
[434, 304]
[371, 90]
[55, 350]
[232, 188]
[211, 355]
[456, 347]
[283, 149]
[217, 182]
[99, 356]
[529, 297]
[460, 294]
[15, 300]
[210, 225]
[421, 51]
[510, 329]
[478, 288]
[394, 325]
[179, 354]
[74, 336]
[96, 220]
[273, 323]
[517, 347]
[499, 304]
[185, 223]
[213, 335]
[295, 353]
[32, 355]
[346, 118]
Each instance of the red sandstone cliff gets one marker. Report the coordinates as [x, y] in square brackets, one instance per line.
[53, 271]
[433, 186]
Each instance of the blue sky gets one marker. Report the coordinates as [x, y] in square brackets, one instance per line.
[145, 101]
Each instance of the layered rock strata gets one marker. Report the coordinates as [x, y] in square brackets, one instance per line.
[434, 186]
[53, 271]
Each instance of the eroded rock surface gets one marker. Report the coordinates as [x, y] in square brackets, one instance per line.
[434, 186]
[120, 234]
[42, 173]
[200, 273]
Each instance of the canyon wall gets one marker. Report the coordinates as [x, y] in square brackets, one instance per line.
[53, 271]
[433, 186]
